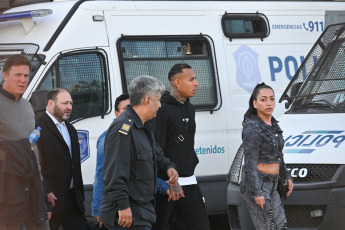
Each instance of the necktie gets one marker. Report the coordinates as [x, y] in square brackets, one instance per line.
[63, 131]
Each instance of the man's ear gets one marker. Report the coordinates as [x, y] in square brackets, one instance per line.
[4, 76]
[147, 100]
[50, 104]
[177, 83]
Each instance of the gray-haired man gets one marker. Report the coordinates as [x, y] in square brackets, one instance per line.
[131, 160]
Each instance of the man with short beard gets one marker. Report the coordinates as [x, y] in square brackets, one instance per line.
[60, 158]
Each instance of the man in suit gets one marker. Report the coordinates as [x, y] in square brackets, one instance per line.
[60, 159]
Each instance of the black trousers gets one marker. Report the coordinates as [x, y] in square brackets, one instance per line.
[189, 213]
[72, 218]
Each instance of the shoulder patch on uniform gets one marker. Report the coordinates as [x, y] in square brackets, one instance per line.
[126, 126]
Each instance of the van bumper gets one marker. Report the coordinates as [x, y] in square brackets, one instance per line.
[321, 209]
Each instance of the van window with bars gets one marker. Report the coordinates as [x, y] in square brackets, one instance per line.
[155, 55]
[245, 25]
[85, 75]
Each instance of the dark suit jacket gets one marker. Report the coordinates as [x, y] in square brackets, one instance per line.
[57, 165]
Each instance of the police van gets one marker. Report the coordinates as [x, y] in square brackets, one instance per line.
[314, 133]
[95, 48]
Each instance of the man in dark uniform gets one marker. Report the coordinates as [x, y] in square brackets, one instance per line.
[131, 160]
[174, 129]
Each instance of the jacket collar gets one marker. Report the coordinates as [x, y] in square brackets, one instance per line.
[263, 124]
[136, 119]
[52, 126]
[54, 119]
[134, 116]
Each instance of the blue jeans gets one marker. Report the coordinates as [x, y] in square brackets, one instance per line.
[118, 227]
[273, 215]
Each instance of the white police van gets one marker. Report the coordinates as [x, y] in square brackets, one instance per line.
[95, 48]
[314, 133]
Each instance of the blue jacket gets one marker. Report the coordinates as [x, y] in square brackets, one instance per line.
[162, 186]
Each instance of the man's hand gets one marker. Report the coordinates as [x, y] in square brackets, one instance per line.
[51, 199]
[175, 192]
[125, 218]
[173, 176]
[49, 215]
[100, 222]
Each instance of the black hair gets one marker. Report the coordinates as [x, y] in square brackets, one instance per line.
[177, 68]
[120, 98]
[52, 94]
[252, 110]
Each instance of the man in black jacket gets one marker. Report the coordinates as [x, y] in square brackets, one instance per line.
[174, 129]
[60, 156]
[131, 161]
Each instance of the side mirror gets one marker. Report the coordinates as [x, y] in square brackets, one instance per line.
[38, 101]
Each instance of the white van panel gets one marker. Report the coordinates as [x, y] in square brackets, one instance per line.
[314, 138]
